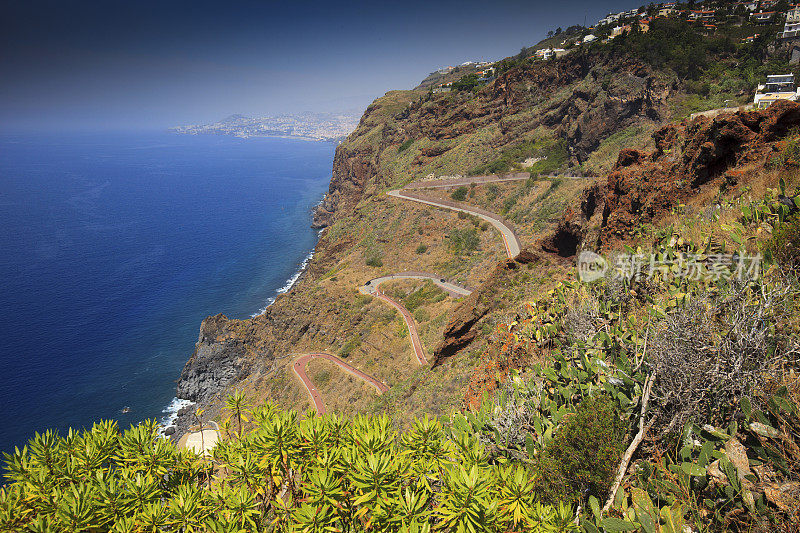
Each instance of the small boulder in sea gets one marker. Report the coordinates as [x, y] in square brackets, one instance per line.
[169, 431]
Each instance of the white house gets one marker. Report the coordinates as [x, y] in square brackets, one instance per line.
[762, 17]
[610, 18]
[589, 38]
[778, 87]
[791, 29]
[666, 10]
[749, 6]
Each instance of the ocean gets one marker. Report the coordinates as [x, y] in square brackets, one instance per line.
[115, 246]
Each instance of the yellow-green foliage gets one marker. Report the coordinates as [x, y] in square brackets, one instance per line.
[320, 473]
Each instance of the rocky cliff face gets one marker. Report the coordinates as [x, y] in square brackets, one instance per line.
[218, 360]
[580, 99]
[689, 157]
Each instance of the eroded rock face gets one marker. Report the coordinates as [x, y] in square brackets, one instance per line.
[689, 156]
[567, 238]
[460, 330]
[585, 99]
[216, 362]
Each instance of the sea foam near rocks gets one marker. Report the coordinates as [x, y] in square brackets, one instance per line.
[171, 413]
[288, 285]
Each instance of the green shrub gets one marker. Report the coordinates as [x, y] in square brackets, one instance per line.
[349, 346]
[463, 240]
[788, 153]
[362, 300]
[406, 144]
[459, 194]
[467, 83]
[323, 376]
[552, 151]
[422, 248]
[421, 315]
[491, 192]
[784, 245]
[584, 454]
[509, 202]
[374, 261]
[428, 293]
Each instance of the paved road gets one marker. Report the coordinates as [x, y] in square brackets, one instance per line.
[412, 326]
[446, 183]
[453, 289]
[372, 287]
[510, 239]
[299, 368]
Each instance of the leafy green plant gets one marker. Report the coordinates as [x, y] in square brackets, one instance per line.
[784, 244]
[320, 473]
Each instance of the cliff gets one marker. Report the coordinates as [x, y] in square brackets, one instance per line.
[559, 113]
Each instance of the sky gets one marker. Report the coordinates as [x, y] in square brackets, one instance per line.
[133, 64]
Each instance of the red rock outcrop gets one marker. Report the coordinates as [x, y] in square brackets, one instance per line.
[460, 330]
[688, 157]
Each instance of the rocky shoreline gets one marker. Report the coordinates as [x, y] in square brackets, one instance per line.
[217, 361]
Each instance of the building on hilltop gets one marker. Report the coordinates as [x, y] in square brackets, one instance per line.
[609, 19]
[704, 15]
[748, 6]
[791, 29]
[549, 53]
[619, 30]
[763, 17]
[778, 87]
[667, 9]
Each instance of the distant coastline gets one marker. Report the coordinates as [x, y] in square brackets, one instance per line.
[326, 127]
[265, 136]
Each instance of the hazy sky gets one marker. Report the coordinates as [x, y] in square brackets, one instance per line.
[140, 63]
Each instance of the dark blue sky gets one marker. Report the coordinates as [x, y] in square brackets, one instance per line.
[139, 63]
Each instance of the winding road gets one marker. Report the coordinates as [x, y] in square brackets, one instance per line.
[453, 289]
[372, 287]
[510, 239]
[299, 368]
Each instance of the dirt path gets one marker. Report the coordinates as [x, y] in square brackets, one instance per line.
[447, 183]
[299, 368]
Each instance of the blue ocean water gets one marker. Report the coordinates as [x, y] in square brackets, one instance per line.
[114, 247]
